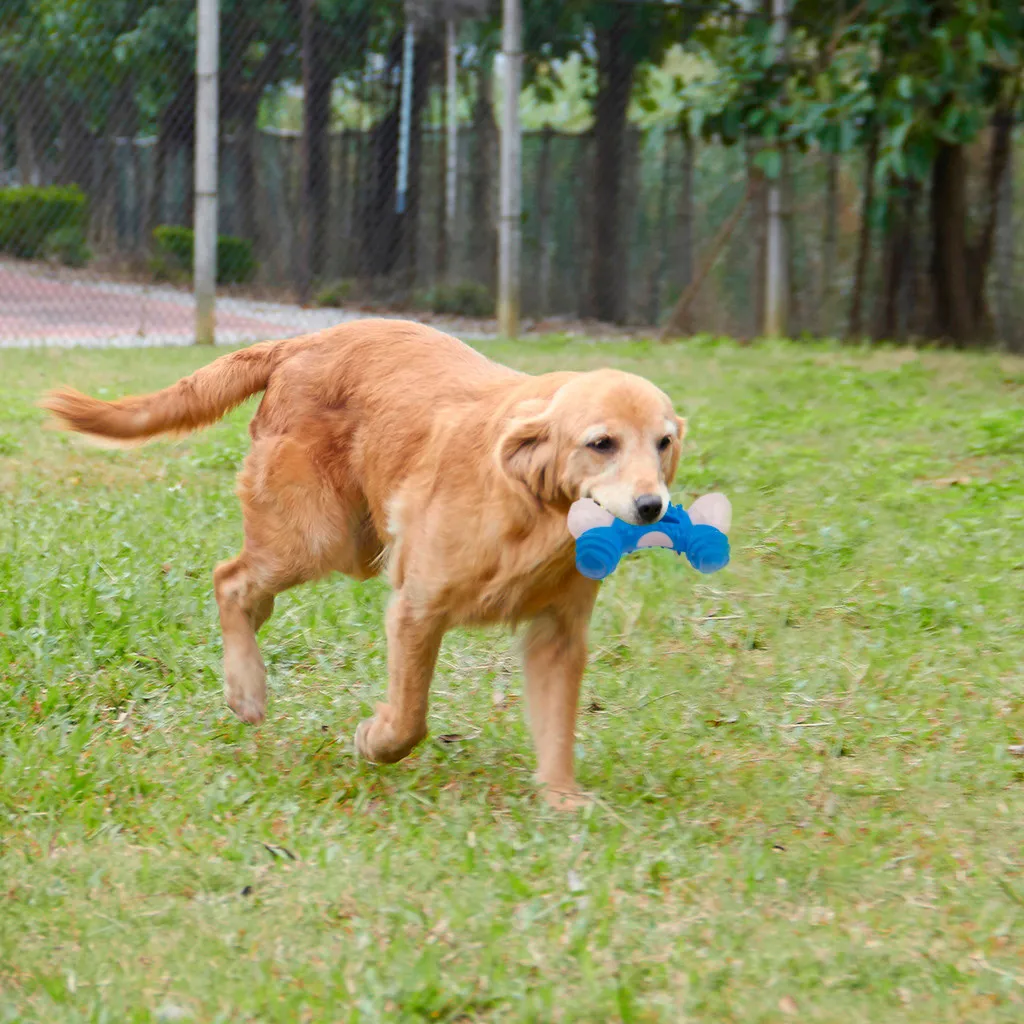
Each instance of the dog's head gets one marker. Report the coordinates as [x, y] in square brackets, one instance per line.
[606, 435]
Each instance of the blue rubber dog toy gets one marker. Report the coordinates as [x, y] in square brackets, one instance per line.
[700, 534]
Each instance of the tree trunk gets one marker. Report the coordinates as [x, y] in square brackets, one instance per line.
[75, 151]
[240, 96]
[381, 231]
[687, 219]
[954, 310]
[980, 254]
[792, 314]
[316, 116]
[913, 309]
[120, 123]
[583, 236]
[451, 147]
[26, 116]
[176, 130]
[189, 145]
[484, 242]
[830, 247]
[855, 328]
[245, 149]
[428, 53]
[895, 251]
[155, 204]
[1007, 321]
[544, 246]
[379, 219]
[138, 195]
[441, 263]
[607, 285]
[756, 187]
[663, 235]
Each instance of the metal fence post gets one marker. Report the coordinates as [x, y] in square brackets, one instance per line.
[405, 116]
[452, 155]
[205, 233]
[776, 286]
[509, 232]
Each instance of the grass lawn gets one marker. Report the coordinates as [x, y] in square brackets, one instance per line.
[808, 802]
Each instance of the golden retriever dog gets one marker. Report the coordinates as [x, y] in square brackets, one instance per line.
[387, 446]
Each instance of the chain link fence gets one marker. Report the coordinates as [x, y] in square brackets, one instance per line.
[97, 139]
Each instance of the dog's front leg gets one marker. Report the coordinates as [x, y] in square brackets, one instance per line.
[401, 723]
[555, 657]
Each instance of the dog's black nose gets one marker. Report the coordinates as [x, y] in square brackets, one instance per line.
[648, 507]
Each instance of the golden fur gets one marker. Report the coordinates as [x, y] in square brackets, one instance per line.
[387, 446]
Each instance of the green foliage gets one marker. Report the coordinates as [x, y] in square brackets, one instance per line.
[176, 243]
[920, 72]
[29, 215]
[68, 246]
[462, 298]
[174, 246]
[334, 295]
[806, 796]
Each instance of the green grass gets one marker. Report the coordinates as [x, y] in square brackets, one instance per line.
[807, 806]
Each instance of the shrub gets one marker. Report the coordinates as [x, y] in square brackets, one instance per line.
[463, 298]
[174, 249]
[175, 244]
[336, 294]
[235, 261]
[67, 244]
[29, 215]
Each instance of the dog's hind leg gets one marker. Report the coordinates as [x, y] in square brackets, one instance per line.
[245, 600]
[296, 529]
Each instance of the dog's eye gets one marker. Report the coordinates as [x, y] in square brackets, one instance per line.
[664, 443]
[603, 445]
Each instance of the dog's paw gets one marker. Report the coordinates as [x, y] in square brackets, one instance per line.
[250, 710]
[359, 741]
[564, 799]
[245, 684]
[379, 742]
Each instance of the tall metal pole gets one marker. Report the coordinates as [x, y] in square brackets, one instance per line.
[405, 116]
[452, 155]
[204, 270]
[309, 154]
[509, 234]
[776, 286]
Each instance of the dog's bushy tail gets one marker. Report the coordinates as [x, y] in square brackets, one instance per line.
[195, 401]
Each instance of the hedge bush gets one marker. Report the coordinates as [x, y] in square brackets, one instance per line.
[175, 245]
[68, 245]
[462, 298]
[28, 215]
[336, 294]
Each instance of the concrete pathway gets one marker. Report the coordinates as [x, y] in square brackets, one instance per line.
[41, 307]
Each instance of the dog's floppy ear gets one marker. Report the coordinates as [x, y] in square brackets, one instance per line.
[675, 450]
[527, 451]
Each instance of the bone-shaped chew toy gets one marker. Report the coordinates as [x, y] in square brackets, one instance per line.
[700, 534]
